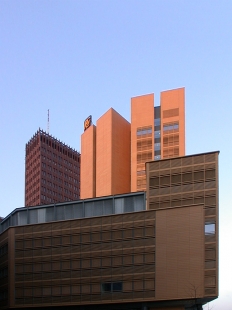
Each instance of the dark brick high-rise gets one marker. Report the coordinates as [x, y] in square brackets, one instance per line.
[52, 171]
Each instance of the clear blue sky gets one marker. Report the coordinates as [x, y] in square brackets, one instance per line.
[82, 57]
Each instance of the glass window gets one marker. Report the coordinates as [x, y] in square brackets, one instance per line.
[141, 172]
[111, 287]
[157, 134]
[157, 122]
[41, 215]
[78, 211]
[69, 212]
[98, 206]
[117, 287]
[157, 157]
[170, 126]
[50, 214]
[128, 204]
[209, 228]
[108, 207]
[144, 131]
[60, 213]
[106, 287]
[119, 205]
[22, 218]
[88, 209]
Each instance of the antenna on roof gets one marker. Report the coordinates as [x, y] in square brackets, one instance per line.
[48, 123]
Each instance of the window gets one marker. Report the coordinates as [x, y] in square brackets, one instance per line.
[111, 287]
[157, 122]
[170, 126]
[157, 146]
[144, 131]
[209, 228]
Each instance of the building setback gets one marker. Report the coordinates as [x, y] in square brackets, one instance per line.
[52, 171]
[119, 252]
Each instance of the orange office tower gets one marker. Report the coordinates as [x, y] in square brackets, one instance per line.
[156, 132]
[105, 166]
[115, 152]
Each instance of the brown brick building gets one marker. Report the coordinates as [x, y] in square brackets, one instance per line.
[153, 250]
[52, 171]
[114, 152]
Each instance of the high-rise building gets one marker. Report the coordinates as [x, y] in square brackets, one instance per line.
[52, 171]
[114, 152]
[105, 168]
[156, 132]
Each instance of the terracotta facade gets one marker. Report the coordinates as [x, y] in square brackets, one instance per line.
[88, 165]
[111, 152]
[122, 149]
[156, 132]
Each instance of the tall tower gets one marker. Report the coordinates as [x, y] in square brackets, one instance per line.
[105, 153]
[52, 171]
[156, 132]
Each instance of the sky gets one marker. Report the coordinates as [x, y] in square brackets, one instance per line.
[79, 58]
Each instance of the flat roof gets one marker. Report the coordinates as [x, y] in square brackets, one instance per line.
[86, 208]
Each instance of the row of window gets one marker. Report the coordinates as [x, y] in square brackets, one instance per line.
[46, 199]
[63, 163]
[144, 131]
[59, 148]
[44, 165]
[171, 126]
[111, 287]
[105, 236]
[86, 288]
[103, 264]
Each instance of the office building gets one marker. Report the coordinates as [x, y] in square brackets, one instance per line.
[156, 132]
[115, 252]
[52, 171]
[105, 149]
[114, 152]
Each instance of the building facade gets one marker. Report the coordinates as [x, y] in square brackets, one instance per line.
[114, 152]
[52, 171]
[105, 165]
[119, 252]
[156, 132]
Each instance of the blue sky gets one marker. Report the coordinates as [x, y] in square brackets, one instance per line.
[78, 58]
